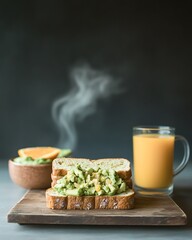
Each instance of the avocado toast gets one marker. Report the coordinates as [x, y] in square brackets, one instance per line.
[90, 184]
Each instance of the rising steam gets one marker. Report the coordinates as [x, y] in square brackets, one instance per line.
[88, 86]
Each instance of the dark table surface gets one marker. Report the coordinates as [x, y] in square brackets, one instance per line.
[10, 194]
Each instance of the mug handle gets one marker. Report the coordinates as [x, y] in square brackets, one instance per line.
[186, 154]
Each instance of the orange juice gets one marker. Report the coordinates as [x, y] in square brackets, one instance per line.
[153, 160]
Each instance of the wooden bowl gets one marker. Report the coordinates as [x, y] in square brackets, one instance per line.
[30, 176]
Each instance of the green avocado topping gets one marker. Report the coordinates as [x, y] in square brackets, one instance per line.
[31, 161]
[90, 182]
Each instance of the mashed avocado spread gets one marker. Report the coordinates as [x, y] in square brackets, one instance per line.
[31, 161]
[90, 182]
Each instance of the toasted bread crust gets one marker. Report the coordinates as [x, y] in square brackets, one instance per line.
[58, 172]
[89, 202]
[114, 202]
[55, 202]
[81, 203]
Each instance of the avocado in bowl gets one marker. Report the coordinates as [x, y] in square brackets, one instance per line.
[31, 173]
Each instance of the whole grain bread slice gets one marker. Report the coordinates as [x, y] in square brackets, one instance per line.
[60, 166]
[119, 202]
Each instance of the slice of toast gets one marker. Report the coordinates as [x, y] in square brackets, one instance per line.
[60, 166]
[119, 202]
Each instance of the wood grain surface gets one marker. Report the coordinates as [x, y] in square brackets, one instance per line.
[31, 209]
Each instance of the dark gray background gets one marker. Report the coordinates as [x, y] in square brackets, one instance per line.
[145, 43]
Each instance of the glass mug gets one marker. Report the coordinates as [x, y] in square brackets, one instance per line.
[153, 156]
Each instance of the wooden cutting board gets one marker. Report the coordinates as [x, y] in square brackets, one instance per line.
[31, 209]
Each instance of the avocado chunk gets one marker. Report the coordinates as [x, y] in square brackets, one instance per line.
[73, 192]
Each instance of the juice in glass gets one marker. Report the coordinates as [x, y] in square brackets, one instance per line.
[153, 160]
[153, 156]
